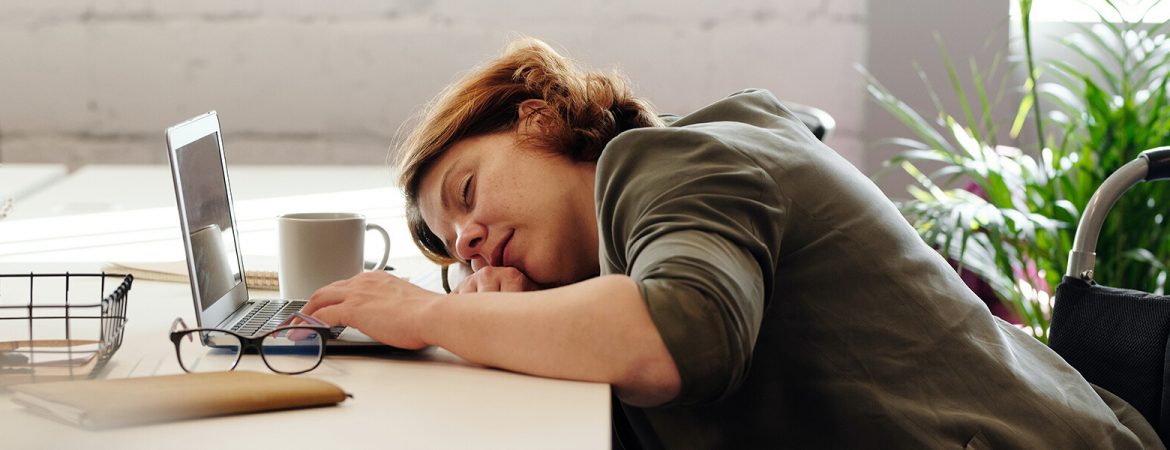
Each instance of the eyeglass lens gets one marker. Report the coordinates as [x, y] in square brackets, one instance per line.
[292, 350]
[222, 351]
[285, 350]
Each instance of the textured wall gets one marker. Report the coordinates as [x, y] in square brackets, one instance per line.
[906, 36]
[332, 81]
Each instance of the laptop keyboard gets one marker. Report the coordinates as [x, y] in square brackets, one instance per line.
[266, 315]
[269, 314]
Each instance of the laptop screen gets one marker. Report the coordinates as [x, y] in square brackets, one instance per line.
[205, 201]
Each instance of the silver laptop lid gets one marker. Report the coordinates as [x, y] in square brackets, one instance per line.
[202, 191]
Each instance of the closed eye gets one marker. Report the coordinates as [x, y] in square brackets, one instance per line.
[467, 192]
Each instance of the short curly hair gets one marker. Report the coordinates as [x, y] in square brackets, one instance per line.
[583, 111]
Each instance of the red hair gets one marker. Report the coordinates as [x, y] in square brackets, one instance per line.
[583, 111]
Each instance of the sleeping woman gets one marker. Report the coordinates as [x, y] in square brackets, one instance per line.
[737, 282]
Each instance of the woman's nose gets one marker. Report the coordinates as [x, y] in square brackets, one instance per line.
[469, 245]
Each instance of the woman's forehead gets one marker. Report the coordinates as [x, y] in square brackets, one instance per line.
[433, 176]
[435, 180]
[431, 184]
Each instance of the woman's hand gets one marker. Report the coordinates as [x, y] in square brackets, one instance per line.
[382, 306]
[495, 279]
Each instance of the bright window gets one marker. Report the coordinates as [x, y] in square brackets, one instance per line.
[1084, 11]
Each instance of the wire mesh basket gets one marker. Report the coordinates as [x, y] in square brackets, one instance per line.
[60, 326]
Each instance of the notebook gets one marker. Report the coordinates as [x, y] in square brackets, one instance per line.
[215, 265]
[99, 404]
[265, 280]
[176, 271]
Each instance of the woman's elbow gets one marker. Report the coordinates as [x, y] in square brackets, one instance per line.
[652, 381]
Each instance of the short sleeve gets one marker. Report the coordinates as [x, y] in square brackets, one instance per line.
[694, 223]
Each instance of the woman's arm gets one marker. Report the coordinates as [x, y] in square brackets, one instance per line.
[595, 330]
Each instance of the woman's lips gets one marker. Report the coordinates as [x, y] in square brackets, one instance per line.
[507, 250]
[500, 258]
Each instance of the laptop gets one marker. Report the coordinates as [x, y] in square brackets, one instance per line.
[211, 239]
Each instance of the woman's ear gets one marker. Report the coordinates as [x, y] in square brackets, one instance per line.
[530, 107]
[532, 113]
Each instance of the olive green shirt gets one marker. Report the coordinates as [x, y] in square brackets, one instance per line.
[802, 310]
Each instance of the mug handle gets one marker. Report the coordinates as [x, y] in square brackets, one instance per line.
[386, 250]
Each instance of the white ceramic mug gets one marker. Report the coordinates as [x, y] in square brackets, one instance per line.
[319, 248]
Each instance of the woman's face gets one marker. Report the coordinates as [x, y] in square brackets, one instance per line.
[496, 202]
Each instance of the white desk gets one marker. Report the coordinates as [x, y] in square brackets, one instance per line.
[18, 181]
[428, 400]
[431, 400]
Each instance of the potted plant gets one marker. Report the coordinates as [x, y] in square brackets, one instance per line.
[1008, 213]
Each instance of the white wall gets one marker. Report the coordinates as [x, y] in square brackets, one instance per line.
[305, 82]
[902, 39]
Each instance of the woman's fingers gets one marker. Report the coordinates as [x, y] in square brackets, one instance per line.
[329, 295]
[511, 285]
[318, 302]
[332, 315]
[378, 304]
[495, 279]
[478, 282]
[467, 286]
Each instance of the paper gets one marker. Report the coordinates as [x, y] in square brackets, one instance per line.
[176, 272]
[46, 353]
[135, 401]
[47, 360]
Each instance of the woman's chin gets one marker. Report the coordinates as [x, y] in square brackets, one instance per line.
[573, 279]
[549, 282]
[552, 279]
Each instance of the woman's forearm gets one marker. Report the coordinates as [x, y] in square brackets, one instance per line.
[596, 330]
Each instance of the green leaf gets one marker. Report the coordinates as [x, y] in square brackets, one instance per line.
[923, 155]
[1106, 72]
[905, 113]
[1063, 95]
[985, 104]
[1021, 115]
[906, 143]
[957, 85]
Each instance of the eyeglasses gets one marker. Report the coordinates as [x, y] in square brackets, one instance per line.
[288, 349]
